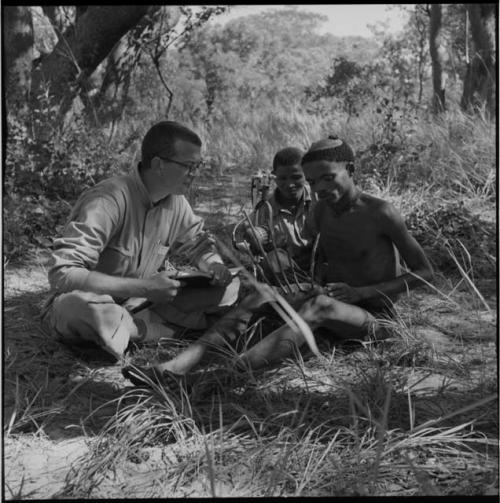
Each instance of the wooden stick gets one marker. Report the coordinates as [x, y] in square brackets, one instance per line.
[282, 307]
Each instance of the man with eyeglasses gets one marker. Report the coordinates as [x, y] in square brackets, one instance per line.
[109, 285]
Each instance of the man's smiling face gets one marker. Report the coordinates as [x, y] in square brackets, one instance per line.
[330, 180]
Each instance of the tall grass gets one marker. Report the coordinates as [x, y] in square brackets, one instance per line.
[340, 435]
[456, 151]
[248, 142]
[351, 423]
[354, 422]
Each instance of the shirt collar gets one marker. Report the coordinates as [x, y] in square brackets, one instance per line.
[305, 200]
[141, 188]
[307, 193]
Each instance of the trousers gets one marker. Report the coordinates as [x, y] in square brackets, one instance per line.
[78, 316]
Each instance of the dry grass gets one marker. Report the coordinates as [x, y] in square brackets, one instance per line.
[403, 417]
[414, 415]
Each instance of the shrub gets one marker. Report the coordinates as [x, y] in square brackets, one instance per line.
[30, 223]
[60, 166]
[42, 179]
[441, 228]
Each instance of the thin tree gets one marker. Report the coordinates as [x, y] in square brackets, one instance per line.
[437, 55]
[479, 83]
[421, 27]
[18, 51]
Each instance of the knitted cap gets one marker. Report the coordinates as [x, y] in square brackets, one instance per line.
[330, 149]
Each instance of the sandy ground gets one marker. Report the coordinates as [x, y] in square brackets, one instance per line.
[36, 463]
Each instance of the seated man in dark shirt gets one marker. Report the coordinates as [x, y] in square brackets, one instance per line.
[286, 210]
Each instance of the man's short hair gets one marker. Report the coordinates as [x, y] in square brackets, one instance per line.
[330, 149]
[161, 138]
[289, 156]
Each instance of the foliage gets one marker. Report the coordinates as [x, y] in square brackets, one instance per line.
[356, 421]
[159, 36]
[390, 155]
[351, 85]
[406, 54]
[454, 16]
[29, 223]
[247, 63]
[227, 83]
[42, 178]
[399, 418]
[452, 226]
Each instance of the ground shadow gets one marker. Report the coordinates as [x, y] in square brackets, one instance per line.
[67, 392]
[47, 385]
[325, 411]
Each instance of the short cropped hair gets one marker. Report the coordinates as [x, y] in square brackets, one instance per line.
[289, 156]
[330, 149]
[161, 138]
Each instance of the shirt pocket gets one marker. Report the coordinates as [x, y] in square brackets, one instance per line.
[155, 259]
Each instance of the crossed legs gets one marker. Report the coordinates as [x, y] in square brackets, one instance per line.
[344, 320]
[86, 316]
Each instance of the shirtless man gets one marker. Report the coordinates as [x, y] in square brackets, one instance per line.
[359, 235]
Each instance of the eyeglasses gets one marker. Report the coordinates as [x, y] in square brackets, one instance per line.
[192, 168]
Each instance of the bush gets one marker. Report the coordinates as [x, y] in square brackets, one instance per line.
[391, 157]
[30, 223]
[443, 227]
[42, 179]
[60, 166]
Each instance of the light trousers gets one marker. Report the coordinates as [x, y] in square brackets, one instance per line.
[79, 316]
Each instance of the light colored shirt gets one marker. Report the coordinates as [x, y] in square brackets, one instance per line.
[288, 227]
[115, 228]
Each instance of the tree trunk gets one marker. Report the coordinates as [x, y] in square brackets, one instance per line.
[118, 68]
[79, 52]
[115, 79]
[421, 27]
[18, 47]
[437, 52]
[479, 83]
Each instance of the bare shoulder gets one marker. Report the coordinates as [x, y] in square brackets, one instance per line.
[376, 204]
[382, 211]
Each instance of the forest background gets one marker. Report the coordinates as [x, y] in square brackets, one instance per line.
[76, 112]
[82, 84]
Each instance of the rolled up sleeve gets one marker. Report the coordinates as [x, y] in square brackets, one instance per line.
[192, 242]
[90, 227]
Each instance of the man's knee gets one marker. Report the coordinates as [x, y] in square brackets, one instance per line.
[72, 302]
[319, 309]
[76, 307]
[86, 316]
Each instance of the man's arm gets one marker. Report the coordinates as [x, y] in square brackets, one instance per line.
[76, 253]
[198, 246]
[159, 288]
[412, 253]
